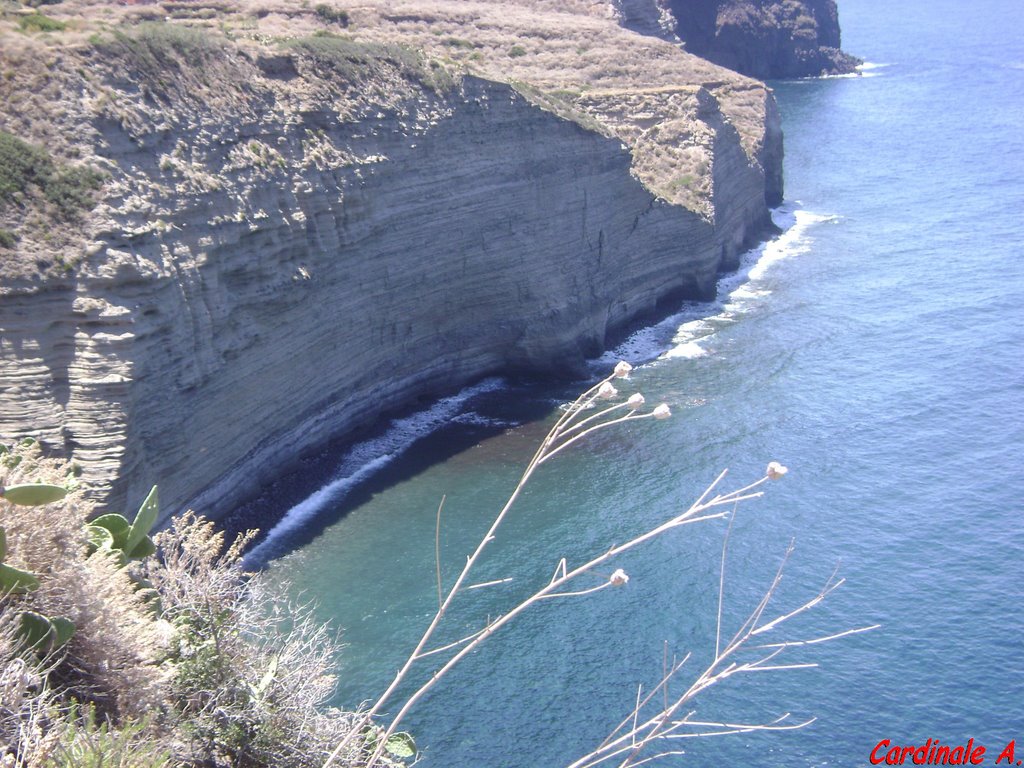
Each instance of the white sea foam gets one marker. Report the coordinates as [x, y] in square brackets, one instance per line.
[479, 420]
[871, 69]
[363, 459]
[686, 333]
[689, 350]
[308, 508]
[683, 335]
[867, 69]
[646, 344]
[747, 287]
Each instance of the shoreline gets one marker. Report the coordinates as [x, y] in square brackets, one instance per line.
[321, 486]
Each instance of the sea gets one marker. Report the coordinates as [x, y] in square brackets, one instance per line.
[875, 348]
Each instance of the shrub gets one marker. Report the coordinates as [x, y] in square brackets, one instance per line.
[38, 22]
[223, 671]
[332, 15]
[24, 167]
[355, 61]
[21, 165]
[516, 51]
[72, 189]
[253, 673]
[8, 239]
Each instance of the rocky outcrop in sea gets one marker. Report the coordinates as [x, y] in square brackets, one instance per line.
[765, 39]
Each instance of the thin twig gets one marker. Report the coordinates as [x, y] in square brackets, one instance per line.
[640, 727]
[815, 641]
[490, 583]
[721, 581]
[437, 552]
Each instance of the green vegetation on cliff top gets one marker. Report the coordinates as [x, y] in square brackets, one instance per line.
[357, 61]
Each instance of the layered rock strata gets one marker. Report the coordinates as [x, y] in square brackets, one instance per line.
[276, 262]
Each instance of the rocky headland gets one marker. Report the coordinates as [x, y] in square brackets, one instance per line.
[763, 38]
[302, 218]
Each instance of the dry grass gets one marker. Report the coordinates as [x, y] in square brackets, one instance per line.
[253, 672]
[113, 658]
[225, 671]
[571, 58]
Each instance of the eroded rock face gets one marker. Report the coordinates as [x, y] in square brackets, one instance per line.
[277, 263]
[764, 38]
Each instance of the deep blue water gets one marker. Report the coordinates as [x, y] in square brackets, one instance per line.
[877, 350]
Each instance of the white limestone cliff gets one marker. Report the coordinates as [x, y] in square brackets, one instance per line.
[276, 262]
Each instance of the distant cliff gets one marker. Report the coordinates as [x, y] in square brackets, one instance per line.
[764, 38]
[300, 227]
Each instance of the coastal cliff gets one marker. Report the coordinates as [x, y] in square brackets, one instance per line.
[307, 220]
[763, 38]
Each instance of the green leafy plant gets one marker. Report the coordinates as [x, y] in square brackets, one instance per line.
[87, 739]
[42, 634]
[131, 540]
[33, 494]
[35, 632]
[394, 751]
[14, 581]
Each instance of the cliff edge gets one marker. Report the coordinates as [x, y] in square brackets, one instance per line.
[288, 221]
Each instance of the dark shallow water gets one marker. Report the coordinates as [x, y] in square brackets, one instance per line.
[876, 350]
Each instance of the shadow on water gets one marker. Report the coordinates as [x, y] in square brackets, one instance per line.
[366, 463]
[517, 402]
[482, 416]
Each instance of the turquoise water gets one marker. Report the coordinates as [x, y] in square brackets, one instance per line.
[876, 349]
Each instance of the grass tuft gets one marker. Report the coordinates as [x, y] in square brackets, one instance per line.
[356, 62]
